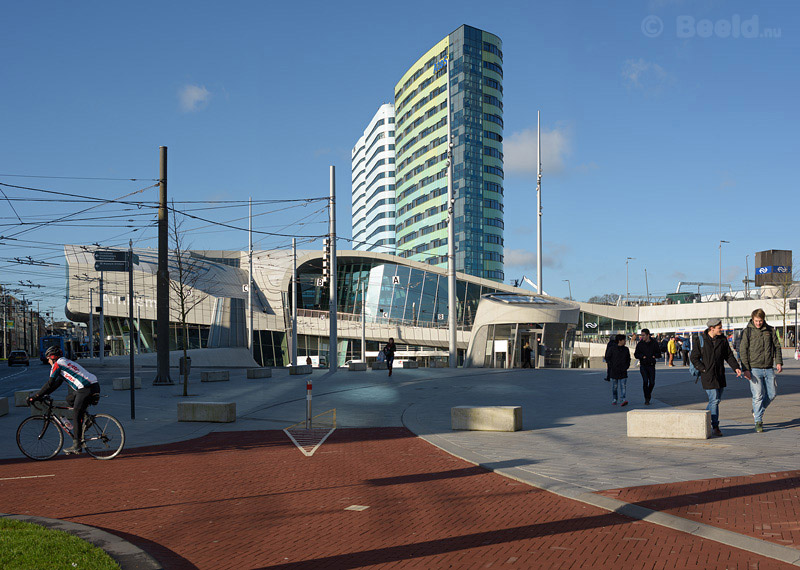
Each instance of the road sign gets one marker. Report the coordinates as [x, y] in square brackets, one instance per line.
[111, 265]
[110, 255]
[114, 255]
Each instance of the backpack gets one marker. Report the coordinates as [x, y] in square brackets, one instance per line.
[692, 370]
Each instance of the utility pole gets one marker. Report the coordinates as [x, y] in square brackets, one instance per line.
[130, 324]
[294, 302]
[101, 322]
[250, 278]
[91, 322]
[539, 203]
[452, 309]
[719, 291]
[162, 278]
[627, 294]
[646, 285]
[333, 349]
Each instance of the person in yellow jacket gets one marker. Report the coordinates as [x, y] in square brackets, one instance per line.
[672, 349]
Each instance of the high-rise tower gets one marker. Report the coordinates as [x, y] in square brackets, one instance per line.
[472, 59]
[373, 180]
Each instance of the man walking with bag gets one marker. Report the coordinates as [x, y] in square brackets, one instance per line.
[709, 356]
[759, 350]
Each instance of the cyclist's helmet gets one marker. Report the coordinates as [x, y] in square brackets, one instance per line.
[53, 351]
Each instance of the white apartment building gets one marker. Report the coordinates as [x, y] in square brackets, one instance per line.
[373, 180]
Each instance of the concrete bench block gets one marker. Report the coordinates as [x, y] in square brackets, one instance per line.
[300, 369]
[218, 412]
[379, 365]
[21, 397]
[3, 406]
[410, 364]
[486, 418]
[680, 424]
[259, 373]
[215, 376]
[357, 366]
[438, 364]
[124, 383]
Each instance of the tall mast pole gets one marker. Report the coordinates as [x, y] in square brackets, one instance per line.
[334, 350]
[539, 204]
[162, 279]
[451, 237]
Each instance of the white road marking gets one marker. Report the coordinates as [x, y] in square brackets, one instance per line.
[27, 477]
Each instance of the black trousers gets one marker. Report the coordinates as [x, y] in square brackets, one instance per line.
[648, 379]
[79, 401]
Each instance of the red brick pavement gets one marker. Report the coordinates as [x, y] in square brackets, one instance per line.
[763, 506]
[251, 500]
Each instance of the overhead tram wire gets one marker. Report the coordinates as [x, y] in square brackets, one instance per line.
[80, 178]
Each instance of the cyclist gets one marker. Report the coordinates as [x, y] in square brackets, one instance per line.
[83, 386]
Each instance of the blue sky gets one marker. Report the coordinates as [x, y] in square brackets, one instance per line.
[658, 143]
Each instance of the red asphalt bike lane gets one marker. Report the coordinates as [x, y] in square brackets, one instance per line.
[252, 500]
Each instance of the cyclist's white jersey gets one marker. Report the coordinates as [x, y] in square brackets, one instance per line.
[75, 374]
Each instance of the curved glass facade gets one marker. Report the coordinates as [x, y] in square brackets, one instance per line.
[395, 294]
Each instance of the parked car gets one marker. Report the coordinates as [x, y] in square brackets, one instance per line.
[18, 357]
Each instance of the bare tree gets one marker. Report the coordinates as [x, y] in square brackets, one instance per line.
[183, 283]
[607, 299]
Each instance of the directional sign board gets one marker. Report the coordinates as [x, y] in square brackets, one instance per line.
[110, 255]
[111, 265]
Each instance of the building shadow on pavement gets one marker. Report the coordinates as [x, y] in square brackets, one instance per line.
[168, 559]
[408, 552]
[451, 474]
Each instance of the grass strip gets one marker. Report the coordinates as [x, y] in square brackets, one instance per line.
[28, 546]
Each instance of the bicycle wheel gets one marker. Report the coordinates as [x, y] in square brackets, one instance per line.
[103, 437]
[39, 438]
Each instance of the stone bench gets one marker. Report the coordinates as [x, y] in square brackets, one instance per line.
[218, 412]
[410, 364]
[679, 424]
[438, 364]
[357, 367]
[486, 418]
[215, 376]
[300, 369]
[3, 406]
[379, 365]
[259, 372]
[21, 397]
[124, 383]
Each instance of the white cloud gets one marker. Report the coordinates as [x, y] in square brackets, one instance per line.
[645, 75]
[552, 256]
[520, 151]
[519, 258]
[193, 98]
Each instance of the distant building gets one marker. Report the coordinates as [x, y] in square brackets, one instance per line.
[374, 185]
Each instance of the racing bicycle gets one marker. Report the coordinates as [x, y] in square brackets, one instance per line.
[41, 436]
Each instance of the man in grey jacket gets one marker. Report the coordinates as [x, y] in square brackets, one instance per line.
[760, 350]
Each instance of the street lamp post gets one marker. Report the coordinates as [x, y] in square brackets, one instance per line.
[627, 290]
[570, 288]
[719, 291]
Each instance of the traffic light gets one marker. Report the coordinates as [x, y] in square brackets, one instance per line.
[326, 259]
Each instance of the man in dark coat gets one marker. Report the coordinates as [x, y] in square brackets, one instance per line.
[647, 352]
[618, 359]
[710, 359]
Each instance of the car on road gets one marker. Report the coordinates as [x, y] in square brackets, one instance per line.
[18, 357]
